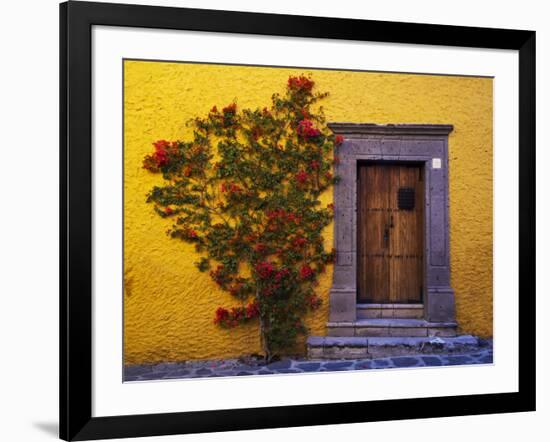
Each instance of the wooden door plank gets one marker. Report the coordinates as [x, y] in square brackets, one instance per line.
[373, 266]
[405, 245]
[396, 222]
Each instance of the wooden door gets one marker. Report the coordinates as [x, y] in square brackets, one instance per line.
[390, 233]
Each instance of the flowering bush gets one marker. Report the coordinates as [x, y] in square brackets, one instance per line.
[245, 191]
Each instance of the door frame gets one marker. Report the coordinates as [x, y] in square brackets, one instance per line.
[416, 164]
[426, 144]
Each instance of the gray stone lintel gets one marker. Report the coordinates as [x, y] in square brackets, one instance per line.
[361, 129]
[418, 143]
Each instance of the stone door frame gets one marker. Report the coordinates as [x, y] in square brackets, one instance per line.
[425, 144]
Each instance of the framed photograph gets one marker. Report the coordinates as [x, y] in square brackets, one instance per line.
[273, 220]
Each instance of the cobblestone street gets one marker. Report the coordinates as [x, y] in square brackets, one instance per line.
[234, 367]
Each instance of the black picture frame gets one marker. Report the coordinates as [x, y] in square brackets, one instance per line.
[76, 21]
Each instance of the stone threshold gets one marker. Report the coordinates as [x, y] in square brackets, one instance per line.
[391, 327]
[329, 347]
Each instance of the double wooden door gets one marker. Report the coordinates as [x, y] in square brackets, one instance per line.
[390, 233]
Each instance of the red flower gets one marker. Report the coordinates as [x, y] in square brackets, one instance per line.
[161, 145]
[260, 248]
[301, 83]
[299, 241]
[301, 177]
[306, 272]
[294, 218]
[313, 301]
[230, 187]
[283, 273]
[236, 313]
[278, 213]
[252, 310]
[222, 314]
[168, 211]
[314, 164]
[339, 139]
[192, 234]
[328, 175]
[159, 158]
[336, 159]
[270, 289]
[264, 269]
[257, 132]
[230, 109]
[234, 188]
[306, 130]
[282, 216]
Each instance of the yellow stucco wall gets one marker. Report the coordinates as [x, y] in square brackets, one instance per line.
[169, 305]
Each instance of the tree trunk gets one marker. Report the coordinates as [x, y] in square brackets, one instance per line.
[263, 339]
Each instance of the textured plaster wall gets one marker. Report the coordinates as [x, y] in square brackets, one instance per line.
[169, 305]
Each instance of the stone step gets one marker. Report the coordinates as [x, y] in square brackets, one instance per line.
[399, 311]
[391, 327]
[328, 347]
